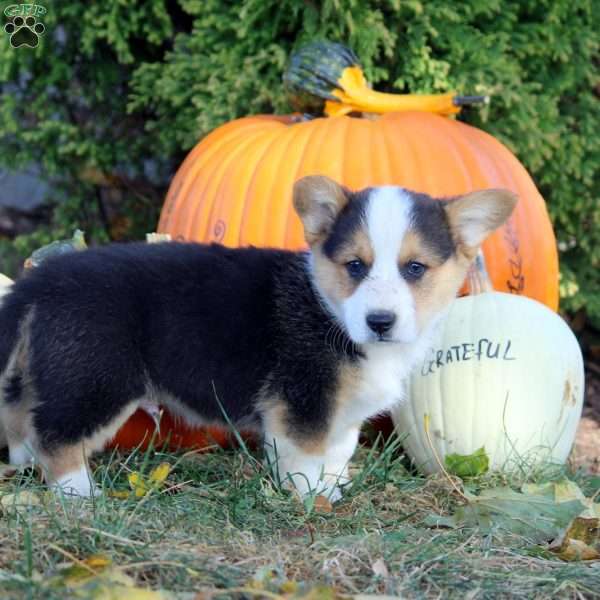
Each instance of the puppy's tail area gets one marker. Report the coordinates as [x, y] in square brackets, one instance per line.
[12, 313]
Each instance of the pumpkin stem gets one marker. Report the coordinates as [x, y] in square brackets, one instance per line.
[325, 77]
[478, 276]
[353, 94]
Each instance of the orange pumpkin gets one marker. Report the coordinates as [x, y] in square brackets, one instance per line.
[140, 429]
[235, 186]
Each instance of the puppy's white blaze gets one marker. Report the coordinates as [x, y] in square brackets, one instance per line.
[20, 454]
[388, 218]
[77, 483]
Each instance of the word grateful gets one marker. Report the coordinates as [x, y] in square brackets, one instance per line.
[483, 349]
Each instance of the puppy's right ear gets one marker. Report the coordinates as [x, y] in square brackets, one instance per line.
[318, 201]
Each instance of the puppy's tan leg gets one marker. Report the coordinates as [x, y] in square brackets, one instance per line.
[309, 463]
[66, 469]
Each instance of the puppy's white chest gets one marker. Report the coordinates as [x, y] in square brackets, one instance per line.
[383, 378]
[380, 384]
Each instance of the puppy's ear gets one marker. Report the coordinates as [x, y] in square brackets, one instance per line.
[318, 201]
[474, 216]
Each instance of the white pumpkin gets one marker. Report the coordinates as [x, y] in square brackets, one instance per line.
[507, 374]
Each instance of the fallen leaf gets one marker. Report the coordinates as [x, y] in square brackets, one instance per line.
[564, 491]
[322, 505]
[580, 541]
[119, 493]
[160, 473]
[468, 465]
[81, 571]
[538, 517]
[288, 587]
[19, 500]
[96, 579]
[141, 485]
[272, 579]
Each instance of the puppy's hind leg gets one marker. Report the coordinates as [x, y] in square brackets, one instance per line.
[66, 470]
[66, 466]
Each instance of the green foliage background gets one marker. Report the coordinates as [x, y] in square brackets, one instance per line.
[117, 91]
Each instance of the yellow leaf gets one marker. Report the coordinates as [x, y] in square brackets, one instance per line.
[81, 572]
[119, 493]
[95, 579]
[160, 474]
[157, 476]
[138, 485]
[289, 587]
[19, 500]
[97, 561]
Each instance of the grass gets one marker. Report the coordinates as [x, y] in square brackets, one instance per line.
[220, 524]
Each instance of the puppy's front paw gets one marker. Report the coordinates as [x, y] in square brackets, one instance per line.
[76, 483]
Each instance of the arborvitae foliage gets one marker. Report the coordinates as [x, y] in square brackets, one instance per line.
[116, 92]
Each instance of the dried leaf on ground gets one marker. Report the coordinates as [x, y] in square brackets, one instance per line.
[141, 485]
[564, 491]
[537, 517]
[322, 505]
[22, 499]
[95, 578]
[580, 541]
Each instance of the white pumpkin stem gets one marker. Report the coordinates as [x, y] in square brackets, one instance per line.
[478, 277]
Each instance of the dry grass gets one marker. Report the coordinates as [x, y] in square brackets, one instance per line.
[220, 524]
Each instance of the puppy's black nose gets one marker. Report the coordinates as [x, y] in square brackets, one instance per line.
[381, 321]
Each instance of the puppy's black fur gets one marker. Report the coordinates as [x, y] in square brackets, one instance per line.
[195, 322]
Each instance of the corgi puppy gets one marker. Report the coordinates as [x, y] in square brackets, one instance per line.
[302, 347]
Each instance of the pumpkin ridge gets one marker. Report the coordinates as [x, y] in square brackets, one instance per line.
[303, 167]
[259, 147]
[193, 162]
[201, 217]
[259, 209]
[292, 173]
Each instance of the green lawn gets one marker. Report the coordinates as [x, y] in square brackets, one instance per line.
[219, 526]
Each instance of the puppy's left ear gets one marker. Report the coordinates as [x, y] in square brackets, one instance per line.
[474, 216]
[318, 201]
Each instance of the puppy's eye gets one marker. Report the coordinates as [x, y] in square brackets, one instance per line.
[413, 270]
[356, 269]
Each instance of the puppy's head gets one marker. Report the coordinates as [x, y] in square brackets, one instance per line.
[389, 261]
